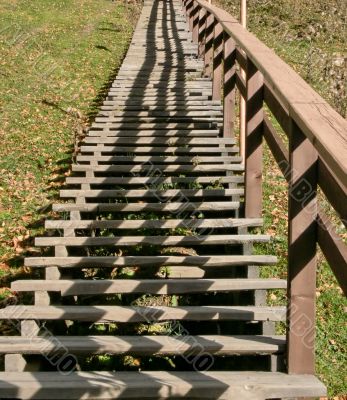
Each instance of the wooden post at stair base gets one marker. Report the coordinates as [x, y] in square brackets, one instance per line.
[202, 32]
[229, 86]
[217, 61]
[209, 45]
[254, 136]
[302, 247]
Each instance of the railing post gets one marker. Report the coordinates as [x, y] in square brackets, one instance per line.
[302, 242]
[202, 32]
[191, 15]
[229, 85]
[195, 29]
[209, 44]
[217, 61]
[243, 133]
[254, 136]
[188, 10]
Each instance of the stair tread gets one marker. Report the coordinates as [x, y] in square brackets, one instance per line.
[162, 240]
[144, 313]
[157, 149]
[220, 385]
[153, 286]
[159, 223]
[110, 261]
[148, 206]
[160, 140]
[144, 345]
[150, 192]
[155, 180]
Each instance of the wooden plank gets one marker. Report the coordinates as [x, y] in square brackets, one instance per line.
[181, 194]
[253, 149]
[241, 59]
[141, 313]
[324, 127]
[159, 159]
[241, 84]
[158, 150]
[156, 126]
[195, 26]
[193, 223]
[146, 345]
[334, 190]
[334, 250]
[217, 66]
[154, 240]
[169, 206]
[229, 83]
[277, 147]
[155, 133]
[221, 385]
[153, 286]
[160, 141]
[302, 238]
[208, 59]
[155, 168]
[110, 261]
[143, 180]
[277, 109]
[202, 33]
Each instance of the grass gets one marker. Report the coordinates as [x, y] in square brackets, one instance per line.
[57, 56]
[310, 36]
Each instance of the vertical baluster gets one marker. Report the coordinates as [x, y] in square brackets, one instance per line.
[254, 135]
[217, 61]
[191, 14]
[202, 32]
[209, 45]
[302, 239]
[188, 8]
[229, 55]
[196, 12]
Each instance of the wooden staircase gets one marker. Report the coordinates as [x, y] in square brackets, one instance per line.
[152, 240]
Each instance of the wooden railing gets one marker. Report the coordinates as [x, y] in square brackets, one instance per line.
[316, 156]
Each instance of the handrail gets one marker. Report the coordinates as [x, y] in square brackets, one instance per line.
[325, 128]
[316, 156]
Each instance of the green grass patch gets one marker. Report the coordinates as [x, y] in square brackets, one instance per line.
[57, 57]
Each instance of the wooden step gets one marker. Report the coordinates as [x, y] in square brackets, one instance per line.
[160, 159]
[200, 240]
[156, 168]
[156, 126]
[141, 109]
[151, 261]
[173, 150]
[155, 133]
[154, 224]
[160, 141]
[152, 286]
[148, 207]
[144, 314]
[158, 194]
[155, 181]
[160, 118]
[145, 345]
[224, 385]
